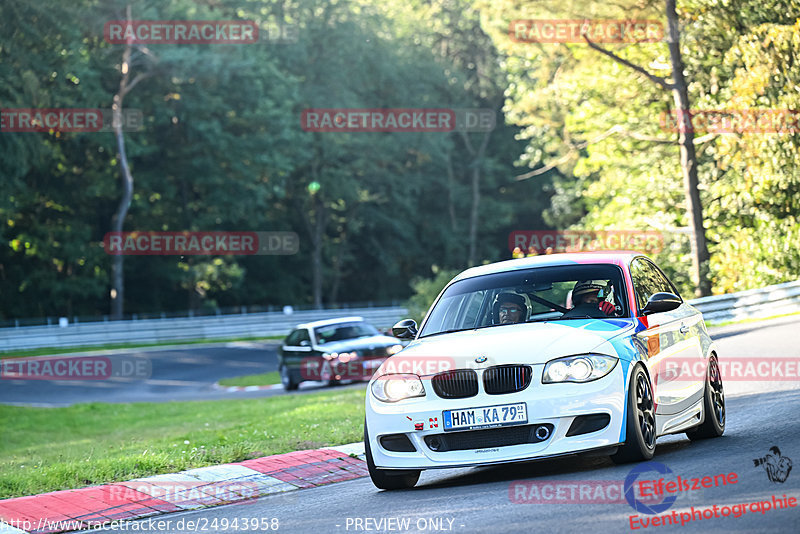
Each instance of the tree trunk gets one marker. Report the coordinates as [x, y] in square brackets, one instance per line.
[118, 220]
[680, 95]
[451, 186]
[316, 257]
[475, 165]
[694, 208]
[473, 213]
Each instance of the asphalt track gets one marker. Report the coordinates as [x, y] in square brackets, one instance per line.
[179, 373]
[761, 415]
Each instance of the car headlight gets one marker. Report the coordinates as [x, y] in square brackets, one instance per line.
[396, 387]
[394, 349]
[345, 357]
[581, 368]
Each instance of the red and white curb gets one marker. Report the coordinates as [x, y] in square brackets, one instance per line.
[237, 483]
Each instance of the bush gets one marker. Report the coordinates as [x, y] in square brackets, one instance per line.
[425, 292]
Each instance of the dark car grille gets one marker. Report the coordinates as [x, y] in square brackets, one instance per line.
[456, 384]
[372, 352]
[506, 379]
[484, 439]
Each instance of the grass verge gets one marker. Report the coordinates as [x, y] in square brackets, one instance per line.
[263, 379]
[48, 449]
[48, 351]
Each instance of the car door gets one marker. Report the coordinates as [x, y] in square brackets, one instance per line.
[296, 347]
[673, 346]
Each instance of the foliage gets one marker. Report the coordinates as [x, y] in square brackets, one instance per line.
[425, 292]
[222, 148]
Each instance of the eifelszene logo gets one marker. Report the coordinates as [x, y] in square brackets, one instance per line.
[638, 505]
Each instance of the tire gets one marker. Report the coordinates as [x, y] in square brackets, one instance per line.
[383, 479]
[640, 423]
[328, 375]
[286, 379]
[713, 425]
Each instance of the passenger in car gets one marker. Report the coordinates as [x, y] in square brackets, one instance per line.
[586, 295]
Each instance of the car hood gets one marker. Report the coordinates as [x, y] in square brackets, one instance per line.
[360, 344]
[533, 343]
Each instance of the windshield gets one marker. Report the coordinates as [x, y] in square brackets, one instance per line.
[540, 294]
[342, 331]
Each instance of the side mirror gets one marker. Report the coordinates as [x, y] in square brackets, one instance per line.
[405, 329]
[661, 302]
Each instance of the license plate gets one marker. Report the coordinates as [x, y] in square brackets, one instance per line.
[485, 417]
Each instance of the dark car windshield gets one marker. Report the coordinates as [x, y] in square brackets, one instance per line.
[544, 293]
[342, 331]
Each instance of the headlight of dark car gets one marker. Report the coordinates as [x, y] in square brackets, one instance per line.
[394, 349]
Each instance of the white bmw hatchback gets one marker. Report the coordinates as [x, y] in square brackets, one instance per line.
[541, 357]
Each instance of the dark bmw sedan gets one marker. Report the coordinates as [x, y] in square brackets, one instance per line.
[334, 350]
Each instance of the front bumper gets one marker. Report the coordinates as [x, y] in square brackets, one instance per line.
[554, 404]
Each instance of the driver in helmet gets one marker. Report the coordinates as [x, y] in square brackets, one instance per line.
[510, 308]
[586, 296]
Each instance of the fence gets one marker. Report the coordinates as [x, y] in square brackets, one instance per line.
[755, 303]
[159, 330]
[752, 304]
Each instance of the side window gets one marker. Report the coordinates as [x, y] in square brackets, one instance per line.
[664, 285]
[303, 337]
[456, 312]
[451, 312]
[473, 308]
[647, 280]
[294, 339]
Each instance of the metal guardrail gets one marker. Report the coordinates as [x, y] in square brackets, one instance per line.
[159, 330]
[752, 304]
[755, 303]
